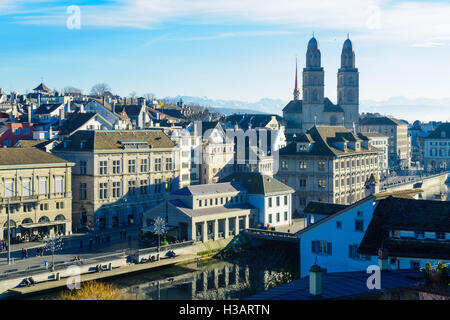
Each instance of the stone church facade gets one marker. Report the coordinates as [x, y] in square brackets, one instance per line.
[315, 108]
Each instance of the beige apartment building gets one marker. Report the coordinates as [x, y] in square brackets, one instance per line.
[119, 174]
[327, 164]
[35, 187]
[399, 141]
[216, 153]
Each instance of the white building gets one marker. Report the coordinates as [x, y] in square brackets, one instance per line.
[379, 141]
[437, 149]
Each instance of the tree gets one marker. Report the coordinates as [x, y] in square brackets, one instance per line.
[93, 290]
[149, 96]
[100, 89]
[159, 227]
[72, 91]
[132, 95]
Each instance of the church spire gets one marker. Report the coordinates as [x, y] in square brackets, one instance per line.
[296, 90]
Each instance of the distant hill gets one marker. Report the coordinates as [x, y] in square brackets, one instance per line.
[264, 105]
[399, 107]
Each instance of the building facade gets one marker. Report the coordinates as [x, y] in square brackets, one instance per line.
[399, 140]
[327, 164]
[119, 174]
[35, 187]
[380, 142]
[437, 149]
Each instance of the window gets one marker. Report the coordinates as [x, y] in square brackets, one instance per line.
[270, 218]
[285, 200]
[169, 164]
[103, 168]
[157, 185]
[359, 225]
[353, 253]
[144, 165]
[59, 185]
[440, 235]
[270, 202]
[9, 188]
[302, 164]
[26, 188]
[59, 205]
[116, 189]
[321, 183]
[82, 167]
[103, 188]
[131, 166]
[338, 224]
[17, 131]
[116, 166]
[278, 201]
[83, 191]
[321, 165]
[278, 217]
[419, 234]
[132, 187]
[321, 247]
[158, 164]
[302, 183]
[144, 187]
[42, 185]
[27, 207]
[284, 165]
[43, 206]
[169, 185]
[285, 216]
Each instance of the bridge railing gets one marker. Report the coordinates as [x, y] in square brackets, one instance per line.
[275, 234]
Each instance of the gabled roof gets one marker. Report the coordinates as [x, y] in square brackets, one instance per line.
[209, 125]
[26, 156]
[257, 183]
[111, 139]
[408, 215]
[381, 121]
[48, 108]
[75, 121]
[42, 87]
[132, 110]
[207, 189]
[255, 120]
[323, 208]
[329, 106]
[294, 106]
[441, 132]
[226, 209]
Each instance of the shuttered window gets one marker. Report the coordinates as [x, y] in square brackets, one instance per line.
[26, 188]
[9, 188]
[43, 186]
[59, 185]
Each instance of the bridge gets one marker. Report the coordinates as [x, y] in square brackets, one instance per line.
[271, 235]
[398, 183]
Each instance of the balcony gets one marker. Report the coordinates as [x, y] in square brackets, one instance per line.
[22, 199]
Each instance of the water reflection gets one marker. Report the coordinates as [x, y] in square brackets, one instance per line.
[211, 281]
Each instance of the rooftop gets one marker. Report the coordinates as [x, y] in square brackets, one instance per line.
[257, 183]
[207, 189]
[26, 156]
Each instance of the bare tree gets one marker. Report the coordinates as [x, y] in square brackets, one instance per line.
[100, 89]
[72, 91]
[149, 96]
[132, 95]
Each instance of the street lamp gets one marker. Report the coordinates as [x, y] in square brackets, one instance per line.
[54, 244]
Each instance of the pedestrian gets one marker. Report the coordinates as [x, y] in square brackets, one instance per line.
[26, 253]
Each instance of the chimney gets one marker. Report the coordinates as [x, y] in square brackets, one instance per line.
[29, 113]
[315, 281]
[383, 259]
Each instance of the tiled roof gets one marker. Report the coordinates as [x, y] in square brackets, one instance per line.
[41, 87]
[207, 189]
[26, 156]
[408, 215]
[294, 106]
[323, 137]
[132, 110]
[47, 108]
[227, 209]
[323, 208]
[75, 121]
[441, 132]
[110, 139]
[341, 285]
[381, 121]
[257, 183]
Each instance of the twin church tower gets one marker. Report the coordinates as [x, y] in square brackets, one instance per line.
[315, 108]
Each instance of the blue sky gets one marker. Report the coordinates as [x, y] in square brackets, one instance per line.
[224, 49]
